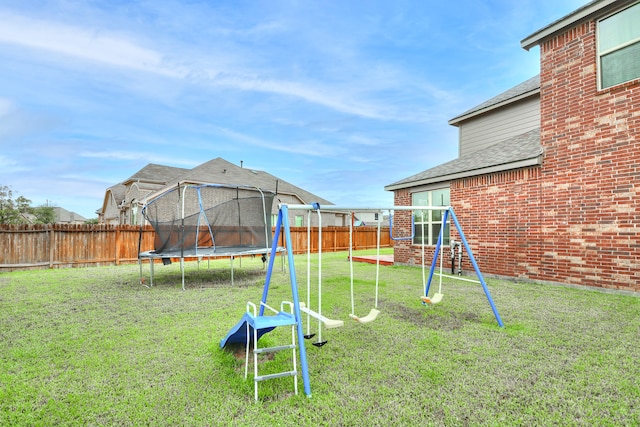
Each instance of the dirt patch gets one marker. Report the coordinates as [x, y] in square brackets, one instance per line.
[422, 316]
[451, 321]
[402, 312]
[240, 354]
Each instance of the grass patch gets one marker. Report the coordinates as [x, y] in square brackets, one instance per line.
[94, 347]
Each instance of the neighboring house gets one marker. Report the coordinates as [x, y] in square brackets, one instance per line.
[64, 216]
[123, 202]
[547, 179]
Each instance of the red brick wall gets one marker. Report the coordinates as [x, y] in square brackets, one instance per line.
[591, 169]
[575, 219]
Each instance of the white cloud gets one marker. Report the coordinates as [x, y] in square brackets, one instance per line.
[90, 45]
[135, 155]
[8, 165]
[6, 106]
[192, 64]
[303, 147]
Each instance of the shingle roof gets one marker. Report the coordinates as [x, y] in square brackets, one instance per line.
[65, 216]
[118, 191]
[525, 88]
[220, 171]
[153, 173]
[519, 151]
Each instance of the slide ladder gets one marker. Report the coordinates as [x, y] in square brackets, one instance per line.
[256, 323]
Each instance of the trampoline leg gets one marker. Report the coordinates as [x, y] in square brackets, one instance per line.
[151, 271]
[231, 271]
[182, 271]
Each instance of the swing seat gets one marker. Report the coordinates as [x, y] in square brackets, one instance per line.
[435, 299]
[368, 318]
[328, 323]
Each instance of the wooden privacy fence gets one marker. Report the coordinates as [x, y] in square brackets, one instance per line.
[70, 245]
[336, 238]
[24, 247]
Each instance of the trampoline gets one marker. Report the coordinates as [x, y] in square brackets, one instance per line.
[199, 220]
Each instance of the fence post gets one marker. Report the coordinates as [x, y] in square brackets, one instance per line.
[117, 244]
[52, 245]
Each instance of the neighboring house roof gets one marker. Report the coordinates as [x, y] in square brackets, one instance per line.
[520, 151]
[28, 218]
[516, 93]
[220, 171]
[65, 216]
[117, 193]
[155, 179]
[585, 13]
[158, 174]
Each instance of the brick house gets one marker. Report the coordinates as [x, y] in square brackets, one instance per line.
[547, 179]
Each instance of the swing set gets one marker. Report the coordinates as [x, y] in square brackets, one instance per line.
[253, 325]
[306, 307]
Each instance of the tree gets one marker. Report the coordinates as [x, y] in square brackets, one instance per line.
[9, 211]
[17, 210]
[23, 205]
[44, 214]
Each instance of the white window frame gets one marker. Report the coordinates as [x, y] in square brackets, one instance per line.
[600, 54]
[430, 218]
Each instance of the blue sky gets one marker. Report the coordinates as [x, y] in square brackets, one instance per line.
[338, 97]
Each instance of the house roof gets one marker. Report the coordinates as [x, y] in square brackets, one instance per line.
[587, 12]
[118, 191]
[512, 153]
[523, 90]
[63, 215]
[156, 174]
[220, 171]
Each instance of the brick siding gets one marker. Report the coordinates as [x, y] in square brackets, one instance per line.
[574, 219]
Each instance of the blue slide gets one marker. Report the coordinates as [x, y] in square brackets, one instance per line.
[264, 324]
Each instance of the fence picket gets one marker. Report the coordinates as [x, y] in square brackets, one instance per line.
[24, 247]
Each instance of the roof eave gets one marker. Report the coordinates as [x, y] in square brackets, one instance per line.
[534, 161]
[584, 13]
[456, 120]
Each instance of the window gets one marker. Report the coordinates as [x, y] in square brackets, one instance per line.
[299, 220]
[619, 47]
[428, 223]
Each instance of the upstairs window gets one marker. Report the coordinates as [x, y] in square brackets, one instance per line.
[619, 47]
[428, 223]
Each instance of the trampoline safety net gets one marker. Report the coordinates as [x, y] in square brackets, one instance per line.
[189, 217]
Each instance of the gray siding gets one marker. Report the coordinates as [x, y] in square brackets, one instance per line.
[488, 129]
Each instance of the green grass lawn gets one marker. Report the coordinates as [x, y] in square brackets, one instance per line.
[94, 347]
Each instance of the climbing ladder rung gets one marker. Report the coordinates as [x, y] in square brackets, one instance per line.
[276, 375]
[274, 349]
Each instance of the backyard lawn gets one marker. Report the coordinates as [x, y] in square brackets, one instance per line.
[94, 347]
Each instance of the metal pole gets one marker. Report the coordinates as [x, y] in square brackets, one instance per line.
[477, 269]
[283, 217]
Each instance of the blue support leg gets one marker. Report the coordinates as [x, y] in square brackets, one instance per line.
[272, 256]
[435, 254]
[477, 269]
[283, 217]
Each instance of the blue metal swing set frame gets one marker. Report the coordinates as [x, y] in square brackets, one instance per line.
[263, 324]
